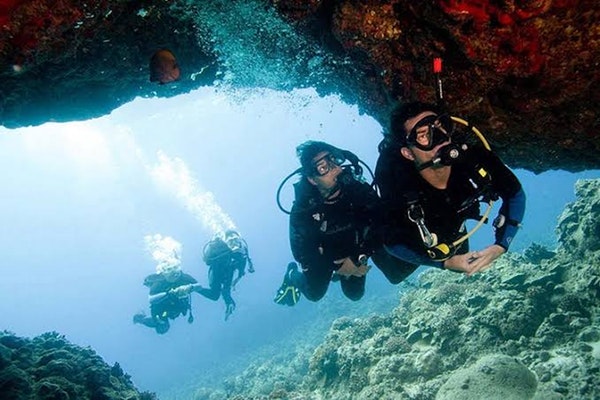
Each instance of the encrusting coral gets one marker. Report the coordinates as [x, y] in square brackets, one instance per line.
[528, 328]
[49, 367]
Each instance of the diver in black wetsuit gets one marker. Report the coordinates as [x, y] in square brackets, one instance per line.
[170, 296]
[333, 225]
[430, 185]
[225, 255]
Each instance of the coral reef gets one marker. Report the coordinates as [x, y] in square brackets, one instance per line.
[48, 367]
[529, 328]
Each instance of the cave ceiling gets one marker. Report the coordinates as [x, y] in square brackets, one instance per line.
[525, 72]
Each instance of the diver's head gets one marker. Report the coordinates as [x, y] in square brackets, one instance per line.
[318, 158]
[233, 240]
[321, 165]
[420, 125]
[169, 269]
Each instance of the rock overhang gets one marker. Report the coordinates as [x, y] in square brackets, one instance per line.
[524, 72]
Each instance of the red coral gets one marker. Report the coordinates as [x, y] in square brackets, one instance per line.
[512, 45]
[477, 10]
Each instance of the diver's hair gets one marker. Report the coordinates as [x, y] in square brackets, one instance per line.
[404, 112]
[170, 264]
[223, 235]
[308, 150]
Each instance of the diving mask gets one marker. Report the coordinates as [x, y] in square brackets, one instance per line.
[329, 161]
[430, 132]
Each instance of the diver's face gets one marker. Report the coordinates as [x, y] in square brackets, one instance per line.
[326, 172]
[425, 136]
[428, 130]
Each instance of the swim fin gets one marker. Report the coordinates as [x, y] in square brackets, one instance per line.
[288, 294]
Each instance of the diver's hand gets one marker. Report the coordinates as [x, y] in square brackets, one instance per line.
[474, 261]
[196, 287]
[229, 308]
[459, 263]
[481, 260]
[181, 291]
[348, 268]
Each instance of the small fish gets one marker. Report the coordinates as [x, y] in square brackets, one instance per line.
[163, 67]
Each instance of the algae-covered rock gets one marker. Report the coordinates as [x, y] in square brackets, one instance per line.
[49, 367]
[493, 377]
[578, 228]
[527, 328]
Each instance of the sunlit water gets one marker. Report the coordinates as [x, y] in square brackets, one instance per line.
[79, 199]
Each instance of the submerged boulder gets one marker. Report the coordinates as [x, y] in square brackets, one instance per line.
[493, 377]
[49, 367]
[578, 227]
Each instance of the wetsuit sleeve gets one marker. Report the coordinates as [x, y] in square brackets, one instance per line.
[507, 186]
[247, 260]
[369, 219]
[304, 239]
[406, 254]
[240, 261]
[509, 219]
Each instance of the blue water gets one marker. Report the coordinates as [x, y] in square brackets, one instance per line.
[79, 198]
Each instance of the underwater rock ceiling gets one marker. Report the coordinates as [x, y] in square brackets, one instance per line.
[524, 71]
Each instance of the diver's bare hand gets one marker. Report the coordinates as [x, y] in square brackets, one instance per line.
[181, 291]
[481, 260]
[474, 261]
[459, 263]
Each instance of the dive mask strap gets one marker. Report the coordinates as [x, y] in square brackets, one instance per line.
[357, 170]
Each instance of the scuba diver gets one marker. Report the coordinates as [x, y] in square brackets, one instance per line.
[333, 224]
[431, 180]
[170, 296]
[225, 254]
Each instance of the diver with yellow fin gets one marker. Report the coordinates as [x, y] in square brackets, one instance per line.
[288, 293]
[335, 223]
[433, 173]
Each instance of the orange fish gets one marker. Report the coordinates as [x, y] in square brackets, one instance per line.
[163, 67]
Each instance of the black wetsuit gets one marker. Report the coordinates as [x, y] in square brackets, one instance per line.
[478, 171]
[171, 306]
[222, 263]
[321, 233]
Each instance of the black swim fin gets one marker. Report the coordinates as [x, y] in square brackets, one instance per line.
[288, 294]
